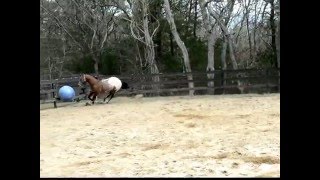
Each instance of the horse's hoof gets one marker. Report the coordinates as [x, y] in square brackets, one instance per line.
[88, 104]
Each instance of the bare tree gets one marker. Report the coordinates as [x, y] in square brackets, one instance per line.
[247, 15]
[134, 37]
[211, 39]
[195, 18]
[273, 31]
[93, 23]
[53, 45]
[140, 30]
[278, 34]
[100, 26]
[170, 19]
[228, 38]
[224, 27]
[256, 15]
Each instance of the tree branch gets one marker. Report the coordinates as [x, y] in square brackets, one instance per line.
[61, 25]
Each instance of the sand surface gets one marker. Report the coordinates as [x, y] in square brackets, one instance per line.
[206, 136]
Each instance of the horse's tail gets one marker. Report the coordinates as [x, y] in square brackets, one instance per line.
[124, 85]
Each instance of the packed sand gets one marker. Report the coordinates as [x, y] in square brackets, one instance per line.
[207, 136]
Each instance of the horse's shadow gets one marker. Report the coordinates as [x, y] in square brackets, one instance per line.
[96, 103]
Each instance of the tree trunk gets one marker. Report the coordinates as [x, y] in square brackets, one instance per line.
[95, 59]
[141, 12]
[233, 59]
[227, 34]
[223, 61]
[150, 57]
[138, 56]
[273, 34]
[50, 68]
[159, 46]
[210, 43]
[149, 49]
[278, 37]
[254, 32]
[180, 43]
[231, 52]
[224, 54]
[150, 53]
[248, 30]
[63, 59]
[278, 45]
[96, 67]
[189, 15]
[210, 65]
[171, 44]
[158, 38]
[51, 95]
[195, 19]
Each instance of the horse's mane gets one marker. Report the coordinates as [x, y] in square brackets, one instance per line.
[91, 76]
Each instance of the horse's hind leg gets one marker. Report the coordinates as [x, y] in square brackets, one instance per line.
[111, 94]
[107, 97]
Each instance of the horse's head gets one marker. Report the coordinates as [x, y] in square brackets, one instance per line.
[82, 80]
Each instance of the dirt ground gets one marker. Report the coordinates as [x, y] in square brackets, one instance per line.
[201, 136]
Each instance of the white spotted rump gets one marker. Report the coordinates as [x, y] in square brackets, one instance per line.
[113, 81]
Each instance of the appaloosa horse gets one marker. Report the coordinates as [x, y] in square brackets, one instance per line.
[102, 88]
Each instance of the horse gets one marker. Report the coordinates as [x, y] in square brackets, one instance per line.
[102, 88]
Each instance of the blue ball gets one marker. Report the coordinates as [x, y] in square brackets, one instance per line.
[66, 93]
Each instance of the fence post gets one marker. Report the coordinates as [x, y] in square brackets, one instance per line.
[223, 82]
[53, 87]
[55, 104]
[210, 81]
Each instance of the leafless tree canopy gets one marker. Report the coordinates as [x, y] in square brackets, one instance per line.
[157, 36]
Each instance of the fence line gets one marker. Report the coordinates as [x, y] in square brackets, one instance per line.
[250, 79]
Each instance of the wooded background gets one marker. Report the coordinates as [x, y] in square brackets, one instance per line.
[140, 37]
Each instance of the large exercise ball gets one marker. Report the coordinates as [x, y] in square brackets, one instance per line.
[66, 93]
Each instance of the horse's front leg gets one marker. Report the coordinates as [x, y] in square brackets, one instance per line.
[90, 94]
[94, 98]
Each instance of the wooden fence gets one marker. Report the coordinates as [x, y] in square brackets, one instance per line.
[225, 82]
